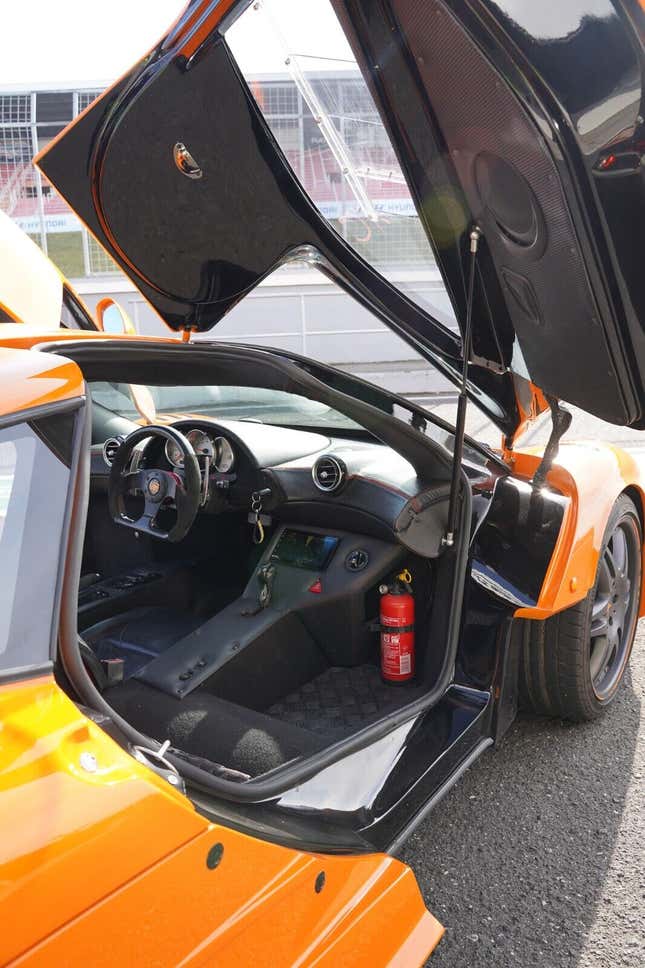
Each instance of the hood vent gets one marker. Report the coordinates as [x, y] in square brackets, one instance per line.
[329, 473]
[110, 448]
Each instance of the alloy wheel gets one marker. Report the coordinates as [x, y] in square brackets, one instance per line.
[615, 607]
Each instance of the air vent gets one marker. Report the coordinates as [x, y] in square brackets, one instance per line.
[110, 448]
[328, 473]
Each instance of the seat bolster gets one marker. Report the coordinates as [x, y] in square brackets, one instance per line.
[139, 635]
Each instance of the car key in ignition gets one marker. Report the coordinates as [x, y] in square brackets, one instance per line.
[256, 518]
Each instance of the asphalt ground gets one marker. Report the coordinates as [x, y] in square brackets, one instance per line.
[536, 858]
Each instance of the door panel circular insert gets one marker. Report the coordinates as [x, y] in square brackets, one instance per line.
[507, 198]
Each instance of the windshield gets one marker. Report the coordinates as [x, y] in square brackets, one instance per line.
[159, 404]
[223, 402]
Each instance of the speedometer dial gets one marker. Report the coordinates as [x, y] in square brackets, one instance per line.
[224, 456]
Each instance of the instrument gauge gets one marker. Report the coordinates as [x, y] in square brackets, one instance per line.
[224, 456]
[201, 443]
[174, 454]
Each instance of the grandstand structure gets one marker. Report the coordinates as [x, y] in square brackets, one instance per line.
[29, 119]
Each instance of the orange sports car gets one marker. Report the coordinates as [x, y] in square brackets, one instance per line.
[36, 294]
[257, 615]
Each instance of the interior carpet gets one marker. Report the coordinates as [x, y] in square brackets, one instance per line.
[341, 700]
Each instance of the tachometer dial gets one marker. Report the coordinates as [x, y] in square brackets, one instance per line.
[201, 443]
[224, 456]
[174, 453]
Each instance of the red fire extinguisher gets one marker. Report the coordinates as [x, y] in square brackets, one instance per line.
[397, 629]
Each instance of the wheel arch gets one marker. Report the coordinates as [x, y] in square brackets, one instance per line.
[637, 494]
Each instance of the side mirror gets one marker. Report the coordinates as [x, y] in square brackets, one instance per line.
[112, 318]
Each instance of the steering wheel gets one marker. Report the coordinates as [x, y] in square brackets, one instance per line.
[156, 485]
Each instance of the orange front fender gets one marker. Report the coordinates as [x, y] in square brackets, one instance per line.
[592, 476]
[103, 863]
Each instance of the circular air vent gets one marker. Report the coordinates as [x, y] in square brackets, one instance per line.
[110, 448]
[328, 473]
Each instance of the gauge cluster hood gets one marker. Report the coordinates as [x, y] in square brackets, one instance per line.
[528, 125]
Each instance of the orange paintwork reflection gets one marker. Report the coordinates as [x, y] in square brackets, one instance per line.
[258, 907]
[69, 837]
[531, 402]
[193, 34]
[7, 312]
[109, 867]
[14, 337]
[33, 379]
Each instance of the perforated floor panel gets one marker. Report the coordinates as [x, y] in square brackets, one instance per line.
[340, 701]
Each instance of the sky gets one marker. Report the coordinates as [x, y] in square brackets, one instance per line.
[60, 41]
[45, 41]
[64, 41]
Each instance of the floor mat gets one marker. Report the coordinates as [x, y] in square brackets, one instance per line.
[340, 701]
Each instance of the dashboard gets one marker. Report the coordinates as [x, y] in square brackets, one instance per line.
[309, 479]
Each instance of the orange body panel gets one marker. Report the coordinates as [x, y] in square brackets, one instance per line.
[15, 337]
[31, 287]
[5, 309]
[110, 867]
[592, 475]
[531, 402]
[33, 379]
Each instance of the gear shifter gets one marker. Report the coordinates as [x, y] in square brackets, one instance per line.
[266, 576]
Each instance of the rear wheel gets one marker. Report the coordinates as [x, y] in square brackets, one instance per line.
[573, 664]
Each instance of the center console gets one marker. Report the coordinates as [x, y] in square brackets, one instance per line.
[322, 592]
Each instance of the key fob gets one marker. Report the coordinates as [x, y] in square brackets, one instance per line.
[265, 519]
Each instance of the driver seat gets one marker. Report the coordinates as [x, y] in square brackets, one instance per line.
[139, 635]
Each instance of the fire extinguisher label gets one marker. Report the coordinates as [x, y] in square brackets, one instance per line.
[405, 664]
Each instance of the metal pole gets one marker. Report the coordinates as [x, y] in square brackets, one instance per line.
[33, 131]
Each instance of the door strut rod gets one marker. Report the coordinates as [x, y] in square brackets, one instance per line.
[460, 427]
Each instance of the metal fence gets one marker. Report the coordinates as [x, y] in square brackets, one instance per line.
[28, 122]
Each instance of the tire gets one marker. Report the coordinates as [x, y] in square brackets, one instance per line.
[572, 665]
